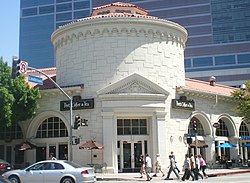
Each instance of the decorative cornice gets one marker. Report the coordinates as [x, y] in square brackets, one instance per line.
[158, 29]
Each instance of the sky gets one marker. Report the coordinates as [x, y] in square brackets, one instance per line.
[9, 29]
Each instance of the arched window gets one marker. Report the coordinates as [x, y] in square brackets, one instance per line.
[12, 132]
[222, 130]
[200, 130]
[52, 127]
[243, 130]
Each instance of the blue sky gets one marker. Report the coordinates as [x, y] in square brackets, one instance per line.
[9, 35]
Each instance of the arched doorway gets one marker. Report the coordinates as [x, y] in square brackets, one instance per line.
[51, 135]
[200, 132]
[244, 150]
[225, 132]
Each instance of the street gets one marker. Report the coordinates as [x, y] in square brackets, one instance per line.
[239, 178]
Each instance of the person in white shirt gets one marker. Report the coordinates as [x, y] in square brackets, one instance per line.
[51, 157]
[158, 166]
[198, 167]
[148, 167]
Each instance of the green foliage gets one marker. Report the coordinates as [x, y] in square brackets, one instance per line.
[243, 98]
[19, 102]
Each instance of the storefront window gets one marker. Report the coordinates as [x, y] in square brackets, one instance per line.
[52, 127]
[131, 126]
[222, 130]
[243, 130]
[12, 132]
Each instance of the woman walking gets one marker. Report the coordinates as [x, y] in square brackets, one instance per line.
[142, 164]
[203, 165]
[187, 168]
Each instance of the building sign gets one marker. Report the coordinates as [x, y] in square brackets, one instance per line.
[77, 104]
[183, 104]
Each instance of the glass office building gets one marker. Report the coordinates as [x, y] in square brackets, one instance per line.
[218, 42]
[38, 20]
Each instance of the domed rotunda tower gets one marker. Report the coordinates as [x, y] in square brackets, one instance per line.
[117, 40]
[130, 63]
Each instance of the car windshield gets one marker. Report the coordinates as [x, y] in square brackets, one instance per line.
[73, 164]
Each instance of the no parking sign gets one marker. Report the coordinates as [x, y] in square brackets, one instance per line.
[23, 67]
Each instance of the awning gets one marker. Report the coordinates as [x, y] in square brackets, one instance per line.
[200, 144]
[26, 146]
[242, 138]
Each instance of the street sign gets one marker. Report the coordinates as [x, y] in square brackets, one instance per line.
[35, 79]
[216, 125]
[23, 67]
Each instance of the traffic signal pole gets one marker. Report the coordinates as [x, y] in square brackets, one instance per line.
[70, 118]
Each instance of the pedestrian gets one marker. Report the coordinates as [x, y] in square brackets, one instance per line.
[142, 164]
[203, 165]
[158, 166]
[187, 168]
[172, 168]
[193, 168]
[51, 156]
[172, 153]
[148, 167]
[198, 167]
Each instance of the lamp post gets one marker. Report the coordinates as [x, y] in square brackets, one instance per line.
[195, 133]
[70, 113]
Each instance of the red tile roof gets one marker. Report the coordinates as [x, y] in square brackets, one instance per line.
[202, 86]
[143, 13]
[118, 4]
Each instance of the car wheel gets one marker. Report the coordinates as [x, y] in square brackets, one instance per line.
[67, 180]
[14, 179]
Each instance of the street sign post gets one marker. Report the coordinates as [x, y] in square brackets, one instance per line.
[35, 79]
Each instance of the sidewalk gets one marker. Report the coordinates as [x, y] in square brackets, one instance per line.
[136, 176]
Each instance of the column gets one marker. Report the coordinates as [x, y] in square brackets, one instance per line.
[109, 142]
[160, 136]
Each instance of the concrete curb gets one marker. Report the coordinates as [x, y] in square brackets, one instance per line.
[227, 173]
[124, 177]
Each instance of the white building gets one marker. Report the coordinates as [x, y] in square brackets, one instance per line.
[125, 71]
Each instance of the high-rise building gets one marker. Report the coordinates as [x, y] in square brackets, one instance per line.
[218, 42]
[38, 20]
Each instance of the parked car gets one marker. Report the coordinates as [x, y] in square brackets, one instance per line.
[52, 171]
[5, 166]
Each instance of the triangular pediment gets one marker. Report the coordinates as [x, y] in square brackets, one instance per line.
[133, 84]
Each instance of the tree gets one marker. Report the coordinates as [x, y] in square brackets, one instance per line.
[243, 98]
[19, 102]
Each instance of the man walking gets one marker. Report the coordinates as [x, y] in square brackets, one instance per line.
[193, 167]
[187, 168]
[172, 153]
[172, 167]
[148, 167]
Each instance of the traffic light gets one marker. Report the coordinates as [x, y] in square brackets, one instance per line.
[15, 67]
[189, 140]
[77, 122]
[77, 141]
[84, 122]
[194, 126]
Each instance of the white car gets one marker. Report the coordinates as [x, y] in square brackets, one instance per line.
[52, 171]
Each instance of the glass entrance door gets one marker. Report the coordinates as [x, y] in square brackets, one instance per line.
[130, 154]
